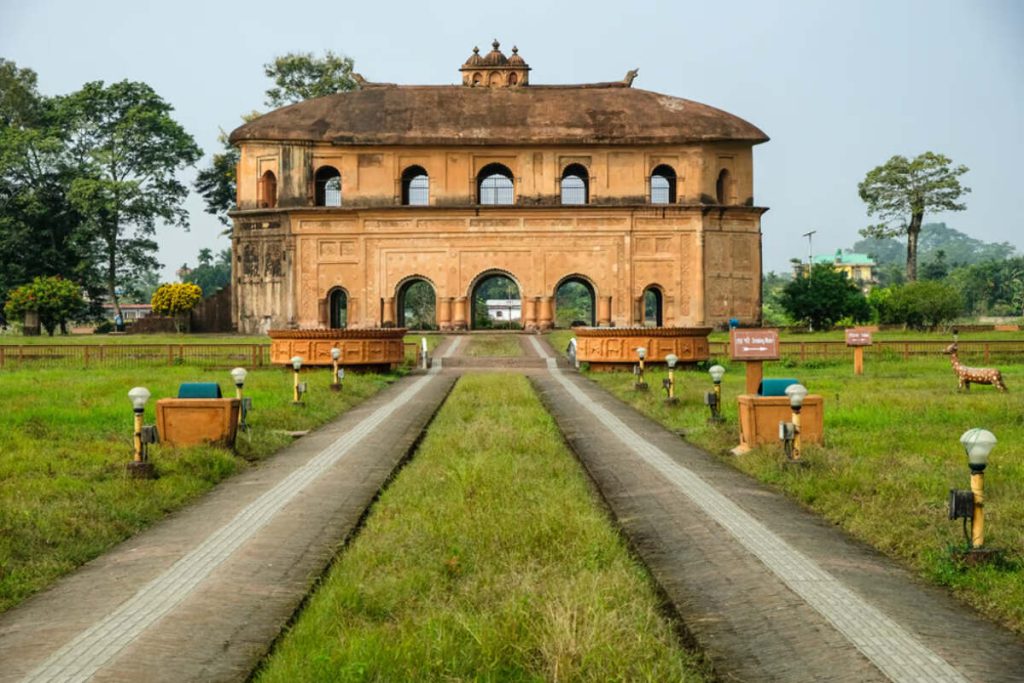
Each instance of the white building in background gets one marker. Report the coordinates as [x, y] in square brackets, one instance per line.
[504, 310]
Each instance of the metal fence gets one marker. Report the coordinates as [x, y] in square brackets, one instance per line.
[133, 355]
[980, 350]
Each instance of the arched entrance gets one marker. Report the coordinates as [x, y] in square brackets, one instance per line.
[575, 302]
[417, 304]
[495, 303]
[337, 306]
[653, 306]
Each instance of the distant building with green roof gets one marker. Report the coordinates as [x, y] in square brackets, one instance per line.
[860, 268]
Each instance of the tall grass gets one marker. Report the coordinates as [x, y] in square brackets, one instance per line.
[65, 437]
[891, 454]
[486, 559]
[494, 345]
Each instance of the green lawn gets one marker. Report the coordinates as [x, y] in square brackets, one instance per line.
[892, 453]
[488, 558]
[494, 345]
[65, 436]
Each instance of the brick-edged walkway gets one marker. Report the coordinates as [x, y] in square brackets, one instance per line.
[768, 590]
[202, 595]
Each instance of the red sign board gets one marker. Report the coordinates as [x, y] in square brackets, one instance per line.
[858, 337]
[754, 344]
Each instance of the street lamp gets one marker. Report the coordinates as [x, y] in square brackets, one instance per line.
[140, 467]
[299, 388]
[238, 375]
[977, 443]
[641, 384]
[789, 432]
[670, 384]
[713, 399]
[335, 355]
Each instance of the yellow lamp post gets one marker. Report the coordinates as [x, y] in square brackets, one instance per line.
[796, 394]
[713, 399]
[297, 388]
[978, 443]
[670, 383]
[238, 376]
[335, 356]
[641, 384]
[140, 467]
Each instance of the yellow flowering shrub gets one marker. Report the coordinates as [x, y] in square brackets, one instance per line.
[176, 298]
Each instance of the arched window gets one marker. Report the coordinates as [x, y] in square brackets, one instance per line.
[495, 302]
[513, 78]
[494, 185]
[653, 304]
[575, 185]
[415, 187]
[477, 78]
[417, 305]
[338, 307]
[663, 185]
[574, 303]
[267, 191]
[722, 187]
[328, 186]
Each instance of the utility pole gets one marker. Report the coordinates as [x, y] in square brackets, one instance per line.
[810, 250]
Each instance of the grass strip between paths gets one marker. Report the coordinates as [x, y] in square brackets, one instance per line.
[486, 559]
[66, 435]
[494, 346]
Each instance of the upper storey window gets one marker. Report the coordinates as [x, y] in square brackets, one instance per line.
[415, 187]
[722, 187]
[328, 186]
[266, 191]
[575, 185]
[494, 185]
[663, 185]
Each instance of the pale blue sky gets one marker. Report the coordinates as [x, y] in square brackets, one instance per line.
[838, 86]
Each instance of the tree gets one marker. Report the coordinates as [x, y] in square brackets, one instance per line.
[902, 190]
[824, 296]
[937, 268]
[926, 303]
[992, 287]
[211, 276]
[55, 299]
[130, 150]
[297, 77]
[302, 76]
[176, 299]
[36, 171]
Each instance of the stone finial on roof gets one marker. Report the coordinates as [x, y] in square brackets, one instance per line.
[495, 69]
[515, 59]
[495, 57]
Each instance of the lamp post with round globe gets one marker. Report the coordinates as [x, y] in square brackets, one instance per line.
[238, 376]
[796, 394]
[641, 384]
[978, 443]
[296, 389]
[670, 383]
[713, 399]
[335, 356]
[139, 467]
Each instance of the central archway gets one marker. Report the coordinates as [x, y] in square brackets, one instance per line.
[653, 304]
[496, 303]
[575, 302]
[417, 304]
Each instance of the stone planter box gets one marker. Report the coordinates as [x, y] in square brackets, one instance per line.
[760, 417]
[191, 421]
[363, 348]
[610, 348]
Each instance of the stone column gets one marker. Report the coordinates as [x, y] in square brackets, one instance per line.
[529, 313]
[459, 321]
[604, 311]
[388, 315]
[444, 312]
[638, 311]
[544, 319]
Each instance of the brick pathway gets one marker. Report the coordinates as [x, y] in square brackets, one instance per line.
[202, 595]
[768, 590]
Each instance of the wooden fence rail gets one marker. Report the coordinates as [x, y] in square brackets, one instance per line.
[975, 349]
[133, 355]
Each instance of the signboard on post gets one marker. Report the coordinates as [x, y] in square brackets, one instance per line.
[857, 336]
[754, 344]
[753, 347]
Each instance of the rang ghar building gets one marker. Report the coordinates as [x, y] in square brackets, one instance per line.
[644, 202]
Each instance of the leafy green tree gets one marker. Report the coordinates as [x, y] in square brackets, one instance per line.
[217, 183]
[55, 299]
[130, 150]
[991, 287]
[302, 76]
[824, 296]
[211, 275]
[36, 171]
[960, 249]
[419, 306]
[900, 191]
[937, 268]
[921, 304]
[573, 303]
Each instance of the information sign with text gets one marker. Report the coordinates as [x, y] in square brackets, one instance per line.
[754, 344]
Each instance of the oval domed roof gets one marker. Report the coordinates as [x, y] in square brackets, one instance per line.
[609, 113]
